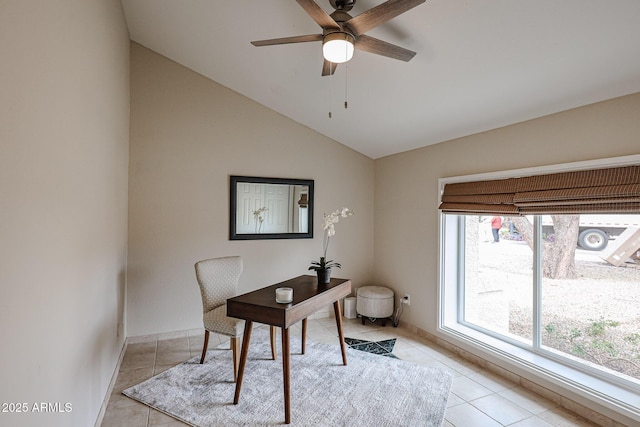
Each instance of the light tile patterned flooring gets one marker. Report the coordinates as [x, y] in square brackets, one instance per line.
[478, 398]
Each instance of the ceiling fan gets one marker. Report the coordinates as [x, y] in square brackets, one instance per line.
[341, 33]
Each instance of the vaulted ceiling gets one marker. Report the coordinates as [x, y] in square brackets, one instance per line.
[480, 65]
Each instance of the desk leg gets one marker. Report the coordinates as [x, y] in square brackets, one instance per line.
[304, 333]
[286, 354]
[272, 336]
[337, 311]
[246, 337]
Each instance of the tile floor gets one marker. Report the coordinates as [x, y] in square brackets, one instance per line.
[478, 398]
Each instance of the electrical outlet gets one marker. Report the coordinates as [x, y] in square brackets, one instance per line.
[406, 299]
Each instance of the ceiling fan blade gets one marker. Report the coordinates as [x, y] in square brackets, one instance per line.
[286, 40]
[380, 14]
[328, 68]
[379, 47]
[318, 14]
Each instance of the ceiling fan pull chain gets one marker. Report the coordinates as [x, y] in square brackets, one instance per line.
[330, 87]
[346, 79]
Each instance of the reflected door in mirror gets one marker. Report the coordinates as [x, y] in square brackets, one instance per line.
[263, 208]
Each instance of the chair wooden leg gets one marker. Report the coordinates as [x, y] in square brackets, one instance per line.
[204, 347]
[272, 333]
[235, 346]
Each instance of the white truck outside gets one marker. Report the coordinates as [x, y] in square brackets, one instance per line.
[596, 230]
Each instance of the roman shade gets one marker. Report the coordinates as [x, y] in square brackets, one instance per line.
[610, 190]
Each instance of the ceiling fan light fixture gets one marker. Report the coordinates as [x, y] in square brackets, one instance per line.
[337, 47]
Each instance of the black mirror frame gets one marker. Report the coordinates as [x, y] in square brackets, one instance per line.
[233, 185]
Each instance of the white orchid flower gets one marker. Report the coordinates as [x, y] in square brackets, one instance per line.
[328, 226]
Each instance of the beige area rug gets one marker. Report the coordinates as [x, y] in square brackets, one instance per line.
[372, 390]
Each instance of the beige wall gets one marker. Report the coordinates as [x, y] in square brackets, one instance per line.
[64, 134]
[64, 119]
[406, 185]
[188, 134]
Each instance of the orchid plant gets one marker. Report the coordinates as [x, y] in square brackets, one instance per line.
[329, 231]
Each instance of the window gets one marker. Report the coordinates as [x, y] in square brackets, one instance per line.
[588, 317]
[498, 284]
[558, 282]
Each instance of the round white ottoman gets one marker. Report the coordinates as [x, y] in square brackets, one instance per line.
[374, 302]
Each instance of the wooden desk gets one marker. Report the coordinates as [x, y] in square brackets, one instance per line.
[261, 306]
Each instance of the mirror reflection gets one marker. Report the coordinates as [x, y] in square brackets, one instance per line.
[271, 208]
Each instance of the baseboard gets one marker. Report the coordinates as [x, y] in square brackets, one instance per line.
[112, 383]
[321, 314]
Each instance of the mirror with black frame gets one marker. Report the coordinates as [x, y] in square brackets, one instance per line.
[270, 208]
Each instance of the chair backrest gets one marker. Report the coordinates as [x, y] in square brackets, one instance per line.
[218, 280]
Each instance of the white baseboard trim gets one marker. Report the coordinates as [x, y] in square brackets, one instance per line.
[112, 383]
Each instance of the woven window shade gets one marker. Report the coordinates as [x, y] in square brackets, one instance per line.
[480, 197]
[612, 190]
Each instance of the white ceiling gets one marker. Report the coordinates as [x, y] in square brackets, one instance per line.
[480, 64]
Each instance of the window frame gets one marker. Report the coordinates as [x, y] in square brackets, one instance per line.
[592, 383]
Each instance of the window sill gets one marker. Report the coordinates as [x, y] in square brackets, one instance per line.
[594, 394]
